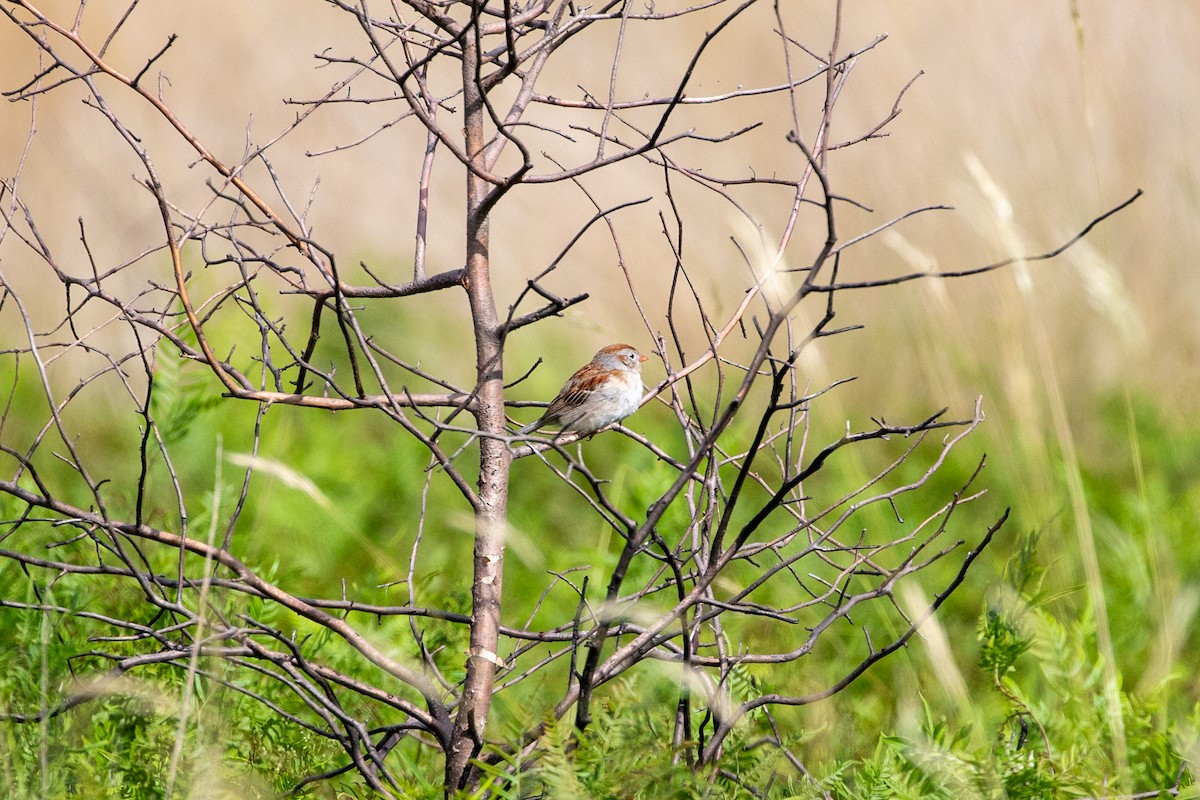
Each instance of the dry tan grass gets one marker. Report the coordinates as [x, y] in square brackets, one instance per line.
[1067, 115]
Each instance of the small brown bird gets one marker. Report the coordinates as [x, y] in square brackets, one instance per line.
[604, 391]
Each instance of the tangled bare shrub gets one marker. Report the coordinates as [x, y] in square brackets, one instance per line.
[746, 537]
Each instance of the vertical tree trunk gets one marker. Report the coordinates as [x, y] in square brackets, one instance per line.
[495, 459]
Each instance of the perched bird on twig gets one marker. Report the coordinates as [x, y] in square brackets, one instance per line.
[604, 391]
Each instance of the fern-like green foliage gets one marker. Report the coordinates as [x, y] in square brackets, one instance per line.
[182, 391]
[1002, 642]
[1038, 726]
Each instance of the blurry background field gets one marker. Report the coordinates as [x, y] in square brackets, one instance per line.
[1030, 118]
[1067, 106]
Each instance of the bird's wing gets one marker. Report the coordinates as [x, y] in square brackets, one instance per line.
[575, 393]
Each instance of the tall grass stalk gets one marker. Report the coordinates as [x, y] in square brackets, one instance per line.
[1011, 239]
[44, 698]
[940, 654]
[189, 684]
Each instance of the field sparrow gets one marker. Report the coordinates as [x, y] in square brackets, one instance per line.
[600, 393]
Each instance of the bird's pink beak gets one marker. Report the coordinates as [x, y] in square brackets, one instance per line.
[642, 357]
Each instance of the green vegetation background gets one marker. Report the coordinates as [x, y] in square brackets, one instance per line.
[1084, 607]
[1018, 704]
